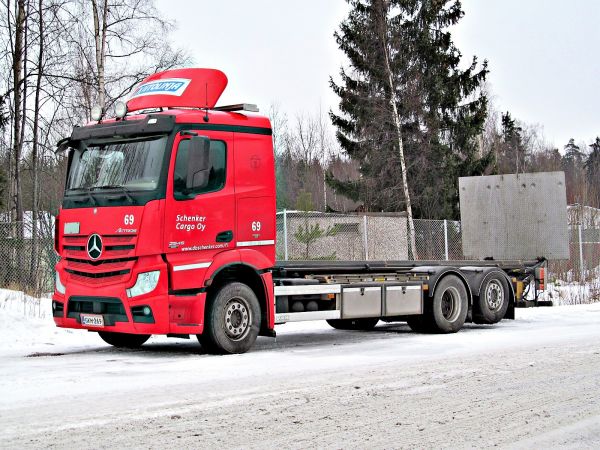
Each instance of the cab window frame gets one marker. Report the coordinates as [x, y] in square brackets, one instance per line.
[178, 195]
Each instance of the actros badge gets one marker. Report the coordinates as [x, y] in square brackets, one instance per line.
[94, 246]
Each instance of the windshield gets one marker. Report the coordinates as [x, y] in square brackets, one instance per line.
[133, 165]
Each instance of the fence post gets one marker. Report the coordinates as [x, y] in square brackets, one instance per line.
[366, 239]
[446, 239]
[285, 237]
[581, 268]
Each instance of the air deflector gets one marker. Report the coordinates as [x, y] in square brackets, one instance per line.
[187, 88]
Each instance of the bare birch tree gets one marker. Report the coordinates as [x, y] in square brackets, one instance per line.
[382, 24]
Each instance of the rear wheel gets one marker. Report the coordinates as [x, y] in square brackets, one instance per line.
[124, 340]
[449, 307]
[232, 320]
[492, 302]
[354, 324]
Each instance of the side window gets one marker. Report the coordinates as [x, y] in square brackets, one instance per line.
[216, 178]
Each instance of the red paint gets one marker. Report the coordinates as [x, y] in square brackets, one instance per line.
[198, 88]
[187, 257]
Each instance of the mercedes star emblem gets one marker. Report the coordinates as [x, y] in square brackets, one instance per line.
[94, 246]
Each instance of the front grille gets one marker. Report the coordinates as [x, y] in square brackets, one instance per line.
[105, 263]
[113, 266]
[111, 308]
[115, 246]
[114, 273]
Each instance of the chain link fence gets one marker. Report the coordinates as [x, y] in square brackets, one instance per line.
[371, 236]
[584, 264]
[26, 260]
[27, 264]
[348, 237]
[363, 236]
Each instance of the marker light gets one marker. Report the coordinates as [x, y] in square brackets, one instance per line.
[60, 288]
[146, 282]
[96, 113]
[120, 109]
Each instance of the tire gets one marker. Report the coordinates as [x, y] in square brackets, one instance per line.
[450, 305]
[365, 324]
[232, 320]
[124, 340]
[492, 303]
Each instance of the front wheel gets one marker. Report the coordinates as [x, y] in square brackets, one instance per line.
[365, 324]
[232, 320]
[124, 340]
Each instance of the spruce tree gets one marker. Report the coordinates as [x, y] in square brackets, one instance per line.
[513, 149]
[439, 107]
[572, 165]
[592, 170]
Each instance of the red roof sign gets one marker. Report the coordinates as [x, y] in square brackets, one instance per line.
[191, 88]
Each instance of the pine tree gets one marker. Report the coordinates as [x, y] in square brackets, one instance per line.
[438, 106]
[513, 149]
[572, 163]
[573, 155]
[592, 171]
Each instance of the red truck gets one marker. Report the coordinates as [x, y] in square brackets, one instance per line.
[168, 226]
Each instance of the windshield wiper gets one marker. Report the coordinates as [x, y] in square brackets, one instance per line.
[87, 192]
[116, 186]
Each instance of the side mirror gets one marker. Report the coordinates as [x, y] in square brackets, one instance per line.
[198, 163]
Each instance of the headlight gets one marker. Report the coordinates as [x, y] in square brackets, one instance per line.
[146, 282]
[60, 288]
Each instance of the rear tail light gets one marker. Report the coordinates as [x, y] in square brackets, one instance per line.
[540, 278]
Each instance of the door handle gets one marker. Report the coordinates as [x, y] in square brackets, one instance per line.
[225, 236]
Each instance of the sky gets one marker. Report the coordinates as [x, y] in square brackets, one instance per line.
[542, 54]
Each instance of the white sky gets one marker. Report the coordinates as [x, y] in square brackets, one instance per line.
[543, 54]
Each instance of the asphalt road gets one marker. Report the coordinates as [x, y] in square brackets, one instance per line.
[529, 383]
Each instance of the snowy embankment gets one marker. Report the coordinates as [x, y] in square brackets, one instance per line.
[563, 293]
[26, 325]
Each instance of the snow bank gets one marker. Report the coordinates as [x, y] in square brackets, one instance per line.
[574, 293]
[26, 326]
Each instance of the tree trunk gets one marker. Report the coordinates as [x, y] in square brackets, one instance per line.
[17, 68]
[100, 40]
[34, 151]
[398, 129]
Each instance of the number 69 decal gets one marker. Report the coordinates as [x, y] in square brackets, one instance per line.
[128, 219]
[256, 226]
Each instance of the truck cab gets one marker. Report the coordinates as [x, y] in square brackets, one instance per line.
[163, 206]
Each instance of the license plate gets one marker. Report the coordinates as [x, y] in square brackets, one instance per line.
[92, 320]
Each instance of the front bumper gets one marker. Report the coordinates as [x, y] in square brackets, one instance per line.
[176, 314]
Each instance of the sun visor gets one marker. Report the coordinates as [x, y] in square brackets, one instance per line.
[188, 88]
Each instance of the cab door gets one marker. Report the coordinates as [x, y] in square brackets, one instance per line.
[199, 223]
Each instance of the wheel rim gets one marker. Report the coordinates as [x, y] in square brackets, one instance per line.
[237, 318]
[450, 304]
[494, 295]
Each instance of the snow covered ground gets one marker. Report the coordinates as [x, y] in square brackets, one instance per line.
[574, 293]
[528, 383]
